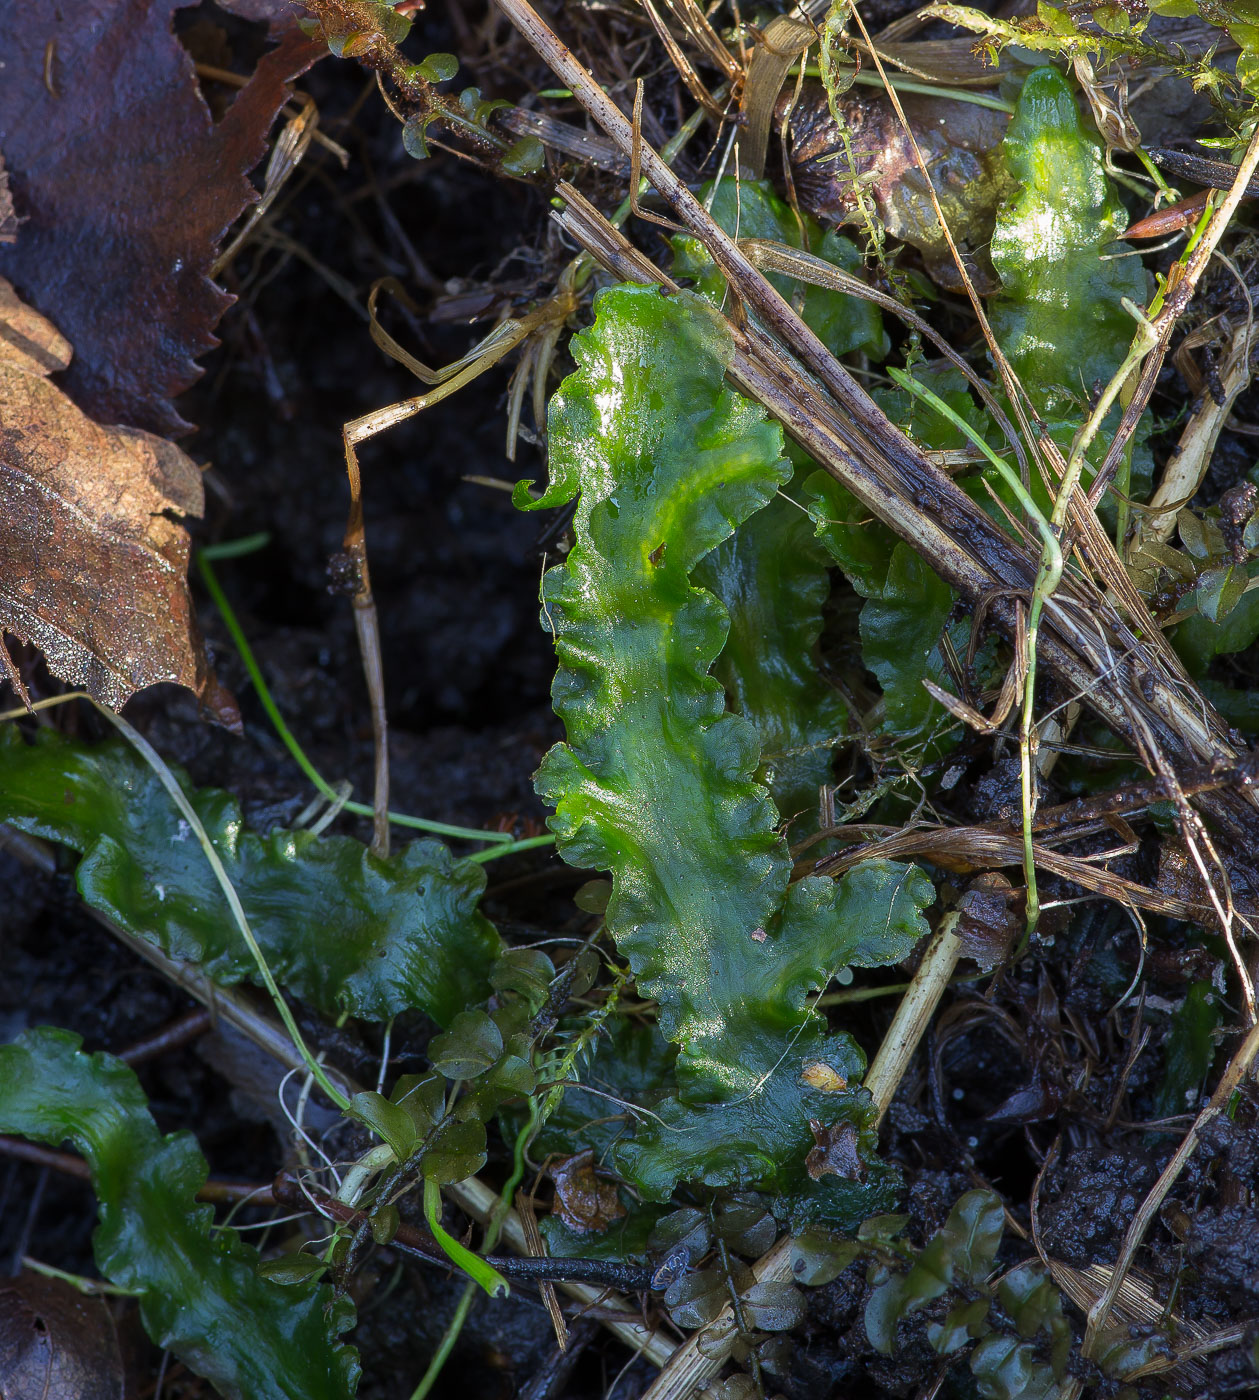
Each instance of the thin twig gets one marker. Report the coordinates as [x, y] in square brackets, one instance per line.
[206, 560]
[367, 630]
[1239, 1067]
[251, 1193]
[855, 441]
[980, 561]
[916, 1008]
[418, 1244]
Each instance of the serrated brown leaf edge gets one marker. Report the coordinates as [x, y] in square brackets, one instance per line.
[93, 557]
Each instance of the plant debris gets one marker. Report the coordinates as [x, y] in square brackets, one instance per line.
[93, 557]
[132, 294]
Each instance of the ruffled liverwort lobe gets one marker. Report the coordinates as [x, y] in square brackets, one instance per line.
[199, 1290]
[656, 782]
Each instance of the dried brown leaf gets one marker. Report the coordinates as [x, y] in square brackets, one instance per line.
[93, 566]
[989, 919]
[125, 187]
[583, 1200]
[278, 15]
[56, 1343]
[835, 1152]
[8, 215]
[959, 140]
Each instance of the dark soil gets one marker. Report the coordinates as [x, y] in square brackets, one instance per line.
[1026, 1082]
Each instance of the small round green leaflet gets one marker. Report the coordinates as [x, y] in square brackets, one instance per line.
[818, 1256]
[439, 67]
[468, 1048]
[390, 1123]
[293, 1268]
[526, 157]
[472, 1264]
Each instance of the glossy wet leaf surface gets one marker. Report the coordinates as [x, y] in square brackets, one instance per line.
[1059, 316]
[907, 606]
[656, 781]
[200, 1293]
[771, 574]
[338, 926]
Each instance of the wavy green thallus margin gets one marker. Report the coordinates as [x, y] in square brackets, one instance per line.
[341, 928]
[770, 574]
[655, 782]
[199, 1291]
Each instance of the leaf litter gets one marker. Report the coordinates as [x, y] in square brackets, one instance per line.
[93, 549]
[125, 190]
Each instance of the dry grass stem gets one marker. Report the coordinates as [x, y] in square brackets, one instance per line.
[1091, 648]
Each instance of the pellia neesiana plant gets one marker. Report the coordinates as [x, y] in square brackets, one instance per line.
[699, 727]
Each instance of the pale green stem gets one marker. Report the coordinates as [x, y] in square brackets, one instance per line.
[1123, 490]
[527, 843]
[1051, 570]
[447, 1345]
[463, 1258]
[189, 814]
[1046, 581]
[905, 84]
[1154, 173]
[501, 1209]
[92, 1287]
[234, 550]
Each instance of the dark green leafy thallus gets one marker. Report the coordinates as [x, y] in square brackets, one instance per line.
[656, 780]
[771, 574]
[1188, 1050]
[200, 1293]
[1011, 1360]
[771, 577]
[907, 604]
[906, 609]
[1198, 641]
[339, 927]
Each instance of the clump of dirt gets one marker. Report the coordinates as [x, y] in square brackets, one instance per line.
[1088, 1202]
